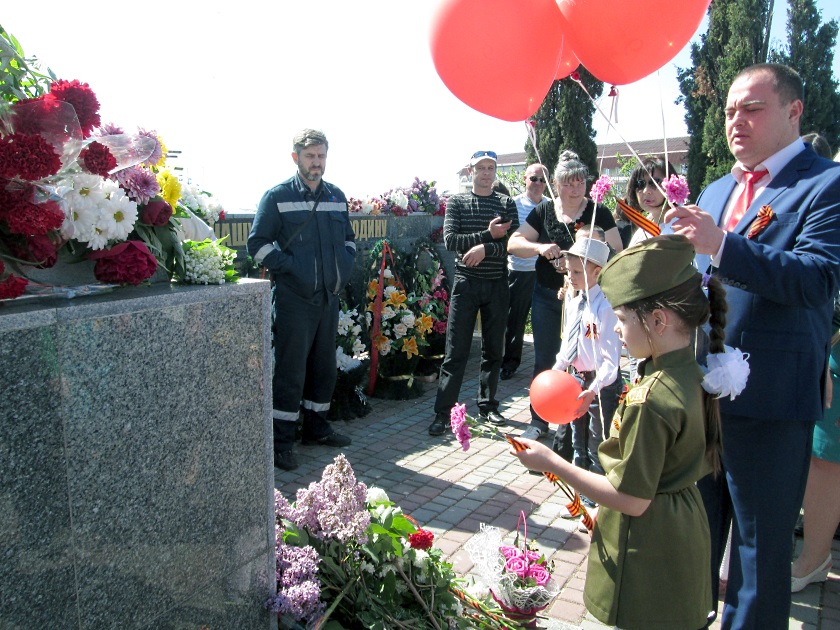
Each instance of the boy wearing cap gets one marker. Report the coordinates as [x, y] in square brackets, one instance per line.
[592, 349]
[476, 228]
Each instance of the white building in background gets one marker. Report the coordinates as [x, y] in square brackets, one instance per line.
[677, 151]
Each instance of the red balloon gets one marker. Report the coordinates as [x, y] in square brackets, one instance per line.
[568, 61]
[554, 396]
[497, 56]
[621, 42]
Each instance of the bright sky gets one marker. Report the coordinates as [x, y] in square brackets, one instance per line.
[230, 83]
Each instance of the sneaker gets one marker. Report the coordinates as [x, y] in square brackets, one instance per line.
[440, 424]
[332, 439]
[532, 433]
[285, 460]
[493, 417]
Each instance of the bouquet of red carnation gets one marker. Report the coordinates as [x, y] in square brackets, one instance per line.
[519, 578]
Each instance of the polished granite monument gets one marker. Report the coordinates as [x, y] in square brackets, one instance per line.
[135, 445]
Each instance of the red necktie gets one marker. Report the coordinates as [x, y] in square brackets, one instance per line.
[745, 198]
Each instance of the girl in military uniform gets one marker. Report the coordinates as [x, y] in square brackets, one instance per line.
[649, 562]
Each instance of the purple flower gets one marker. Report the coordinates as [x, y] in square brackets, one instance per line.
[518, 565]
[538, 572]
[140, 184]
[157, 152]
[676, 189]
[335, 507]
[600, 188]
[460, 428]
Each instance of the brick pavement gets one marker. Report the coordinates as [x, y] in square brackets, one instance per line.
[451, 492]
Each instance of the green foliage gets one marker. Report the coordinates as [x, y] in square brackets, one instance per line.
[738, 36]
[810, 50]
[20, 78]
[564, 121]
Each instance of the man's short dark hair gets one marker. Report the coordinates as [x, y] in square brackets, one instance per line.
[308, 138]
[786, 81]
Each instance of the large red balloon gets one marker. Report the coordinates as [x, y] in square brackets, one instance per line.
[498, 56]
[554, 396]
[568, 61]
[620, 41]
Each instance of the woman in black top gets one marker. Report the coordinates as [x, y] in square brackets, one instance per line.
[547, 233]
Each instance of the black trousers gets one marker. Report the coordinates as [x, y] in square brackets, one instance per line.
[304, 362]
[521, 285]
[469, 298]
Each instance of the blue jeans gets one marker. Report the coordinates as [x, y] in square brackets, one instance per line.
[547, 324]
[588, 430]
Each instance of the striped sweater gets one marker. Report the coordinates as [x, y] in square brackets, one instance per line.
[467, 224]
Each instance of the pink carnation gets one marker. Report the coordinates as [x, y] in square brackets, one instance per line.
[676, 189]
[600, 188]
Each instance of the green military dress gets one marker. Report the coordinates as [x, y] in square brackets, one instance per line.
[652, 571]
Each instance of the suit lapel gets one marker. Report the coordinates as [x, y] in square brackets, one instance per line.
[786, 178]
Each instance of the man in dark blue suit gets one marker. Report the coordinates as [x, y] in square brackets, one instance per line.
[779, 255]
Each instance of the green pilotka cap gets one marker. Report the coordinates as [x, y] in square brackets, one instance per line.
[649, 268]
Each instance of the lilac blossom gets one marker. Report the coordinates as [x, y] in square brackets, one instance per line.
[335, 506]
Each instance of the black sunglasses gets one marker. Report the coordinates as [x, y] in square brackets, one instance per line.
[478, 154]
[536, 179]
[641, 184]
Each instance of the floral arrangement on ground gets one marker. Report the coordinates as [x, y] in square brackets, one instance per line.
[353, 362]
[73, 190]
[398, 326]
[348, 558]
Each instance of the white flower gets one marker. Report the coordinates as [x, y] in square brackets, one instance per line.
[207, 265]
[367, 207]
[367, 567]
[388, 274]
[385, 347]
[359, 348]
[376, 495]
[408, 320]
[388, 312]
[400, 330]
[399, 198]
[389, 291]
[421, 558]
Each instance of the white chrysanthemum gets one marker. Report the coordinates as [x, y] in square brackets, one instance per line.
[119, 213]
[400, 330]
[376, 495]
[389, 291]
[408, 320]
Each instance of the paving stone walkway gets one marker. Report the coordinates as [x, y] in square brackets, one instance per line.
[452, 492]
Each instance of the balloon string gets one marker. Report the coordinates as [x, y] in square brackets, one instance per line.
[621, 137]
[531, 125]
[664, 134]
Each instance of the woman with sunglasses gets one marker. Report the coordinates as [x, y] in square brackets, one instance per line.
[644, 194]
[547, 233]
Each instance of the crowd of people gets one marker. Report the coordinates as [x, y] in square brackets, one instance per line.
[696, 456]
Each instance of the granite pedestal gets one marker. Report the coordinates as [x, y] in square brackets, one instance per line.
[135, 445]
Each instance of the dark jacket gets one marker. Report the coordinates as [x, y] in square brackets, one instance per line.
[321, 255]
